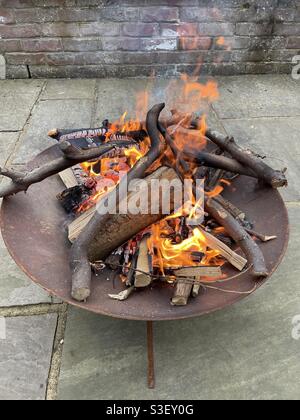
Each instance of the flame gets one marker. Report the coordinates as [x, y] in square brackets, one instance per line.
[171, 255]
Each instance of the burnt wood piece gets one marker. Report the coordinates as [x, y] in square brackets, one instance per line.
[70, 156]
[88, 137]
[218, 162]
[239, 235]
[88, 241]
[264, 172]
[72, 198]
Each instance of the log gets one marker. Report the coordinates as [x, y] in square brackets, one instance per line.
[119, 228]
[235, 211]
[218, 162]
[144, 265]
[114, 232]
[78, 225]
[70, 156]
[264, 172]
[240, 236]
[85, 245]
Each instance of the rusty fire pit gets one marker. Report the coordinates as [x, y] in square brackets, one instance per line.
[34, 230]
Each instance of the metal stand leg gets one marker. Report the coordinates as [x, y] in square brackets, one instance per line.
[150, 344]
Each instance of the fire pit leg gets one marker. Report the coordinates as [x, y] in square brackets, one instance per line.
[150, 345]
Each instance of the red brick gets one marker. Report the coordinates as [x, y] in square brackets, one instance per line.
[82, 44]
[121, 44]
[140, 29]
[6, 16]
[195, 43]
[26, 59]
[181, 29]
[10, 45]
[37, 45]
[159, 14]
[20, 31]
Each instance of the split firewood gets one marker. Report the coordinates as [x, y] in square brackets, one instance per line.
[68, 178]
[68, 156]
[144, 266]
[184, 286]
[264, 172]
[196, 287]
[182, 293]
[240, 236]
[202, 271]
[87, 243]
[231, 256]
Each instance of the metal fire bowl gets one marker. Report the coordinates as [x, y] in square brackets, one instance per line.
[34, 230]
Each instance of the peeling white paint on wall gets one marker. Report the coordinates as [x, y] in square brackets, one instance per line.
[2, 67]
[2, 19]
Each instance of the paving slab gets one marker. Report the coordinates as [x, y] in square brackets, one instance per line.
[258, 96]
[243, 352]
[50, 114]
[69, 89]
[115, 96]
[26, 349]
[7, 142]
[16, 101]
[276, 138]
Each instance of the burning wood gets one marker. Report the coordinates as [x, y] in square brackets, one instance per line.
[148, 246]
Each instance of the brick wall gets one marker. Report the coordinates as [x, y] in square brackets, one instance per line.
[94, 38]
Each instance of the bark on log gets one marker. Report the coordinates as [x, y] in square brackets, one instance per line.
[80, 251]
[119, 228]
[70, 156]
[270, 176]
[239, 235]
[218, 162]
